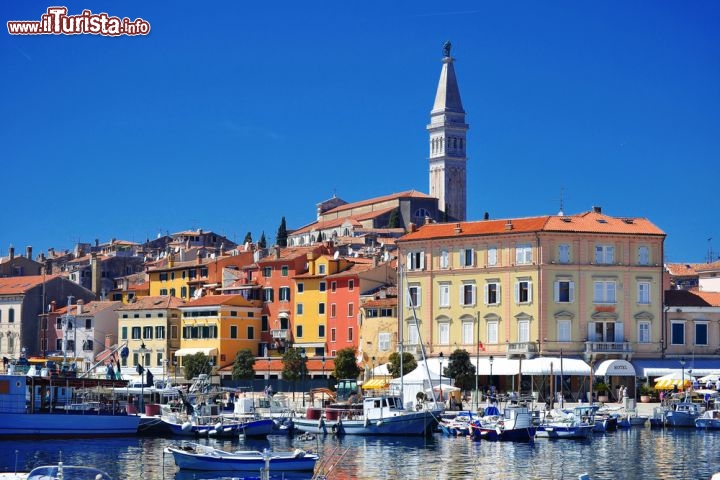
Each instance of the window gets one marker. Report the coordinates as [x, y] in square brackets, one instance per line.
[284, 270]
[87, 345]
[604, 291]
[523, 291]
[444, 294]
[467, 257]
[124, 333]
[416, 261]
[333, 286]
[523, 254]
[233, 331]
[413, 296]
[604, 254]
[284, 294]
[524, 331]
[350, 334]
[264, 323]
[564, 253]
[701, 333]
[321, 331]
[298, 331]
[643, 255]
[267, 272]
[321, 308]
[333, 335]
[333, 310]
[300, 287]
[444, 259]
[492, 332]
[444, 333]
[644, 292]
[268, 295]
[467, 294]
[136, 333]
[351, 285]
[172, 292]
[468, 334]
[492, 293]
[564, 332]
[351, 309]
[299, 308]
[677, 333]
[148, 333]
[606, 332]
[386, 312]
[384, 341]
[250, 333]
[644, 332]
[163, 276]
[183, 292]
[174, 332]
[564, 291]
[323, 286]
[413, 334]
[159, 358]
[163, 292]
[492, 256]
[160, 331]
[88, 323]
[321, 269]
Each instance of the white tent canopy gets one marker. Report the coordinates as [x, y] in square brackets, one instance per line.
[381, 370]
[192, 351]
[417, 381]
[615, 368]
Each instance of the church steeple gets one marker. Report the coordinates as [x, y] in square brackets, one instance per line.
[448, 134]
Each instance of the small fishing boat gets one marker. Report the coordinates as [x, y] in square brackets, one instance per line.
[515, 424]
[67, 472]
[683, 414]
[220, 427]
[710, 420]
[562, 425]
[192, 456]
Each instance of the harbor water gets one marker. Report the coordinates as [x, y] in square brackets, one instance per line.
[636, 453]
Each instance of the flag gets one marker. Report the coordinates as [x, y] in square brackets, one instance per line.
[481, 346]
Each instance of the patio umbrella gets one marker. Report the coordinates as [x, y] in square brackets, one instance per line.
[670, 383]
[676, 376]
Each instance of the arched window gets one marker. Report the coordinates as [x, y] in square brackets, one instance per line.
[420, 214]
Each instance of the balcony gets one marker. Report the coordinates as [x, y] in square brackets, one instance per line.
[608, 347]
[522, 349]
[280, 334]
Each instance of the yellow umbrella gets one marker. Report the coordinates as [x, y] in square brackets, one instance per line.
[670, 383]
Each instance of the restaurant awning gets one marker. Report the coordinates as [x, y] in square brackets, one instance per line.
[192, 351]
[658, 367]
[615, 368]
[375, 384]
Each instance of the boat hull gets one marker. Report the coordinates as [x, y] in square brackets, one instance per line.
[411, 423]
[680, 419]
[512, 435]
[561, 432]
[708, 423]
[215, 460]
[67, 424]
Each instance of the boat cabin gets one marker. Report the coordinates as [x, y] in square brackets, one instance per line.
[381, 407]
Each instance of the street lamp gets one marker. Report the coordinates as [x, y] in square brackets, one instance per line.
[492, 395]
[682, 365]
[441, 360]
[303, 355]
[141, 371]
[322, 359]
[372, 372]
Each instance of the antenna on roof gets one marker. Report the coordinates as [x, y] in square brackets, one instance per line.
[561, 212]
[336, 255]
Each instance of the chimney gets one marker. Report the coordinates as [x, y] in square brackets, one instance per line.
[108, 341]
[277, 252]
[597, 209]
[53, 306]
[28, 252]
[80, 304]
[458, 229]
[199, 257]
[11, 252]
[413, 227]
[428, 220]
[509, 225]
[95, 272]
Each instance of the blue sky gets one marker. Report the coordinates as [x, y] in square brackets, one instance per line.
[230, 115]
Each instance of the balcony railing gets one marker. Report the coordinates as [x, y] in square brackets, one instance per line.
[280, 334]
[608, 347]
[528, 349]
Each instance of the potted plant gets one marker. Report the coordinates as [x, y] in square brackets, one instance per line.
[602, 391]
[646, 393]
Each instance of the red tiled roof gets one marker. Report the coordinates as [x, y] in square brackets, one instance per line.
[381, 302]
[682, 269]
[707, 267]
[287, 253]
[692, 298]
[354, 269]
[214, 300]
[362, 203]
[154, 303]
[15, 285]
[588, 222]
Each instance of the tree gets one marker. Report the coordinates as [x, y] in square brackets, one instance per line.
[394, 221]
[262, 242]
[408, 364]
[461, 369]
[196, 364]
[294, 366]
[345, 364]
[282, 233]
[243, 365]
[248, 238]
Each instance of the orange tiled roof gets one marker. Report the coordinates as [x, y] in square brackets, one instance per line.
[336, 222]
[588, 222]
[214, 300]
[354, 269]
[153, 303]
[362, 203]
[91, 308]
[707, 267]
[287, 253]
[692, 298]
[682, 269]
[381, 302]
[15, 285]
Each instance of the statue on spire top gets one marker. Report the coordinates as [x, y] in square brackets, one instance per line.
[446, 48]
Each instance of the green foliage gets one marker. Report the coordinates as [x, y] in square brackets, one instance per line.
[248, 238]
[262, 243]
[196, 364]
[461, 369]
[601, 387]
[394, 221]
[408, 364]
[243, 365]
[647, 389]
[345, 364]
[294, 365]
[282, 234]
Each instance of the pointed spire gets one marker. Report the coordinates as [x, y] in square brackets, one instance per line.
[447, 98]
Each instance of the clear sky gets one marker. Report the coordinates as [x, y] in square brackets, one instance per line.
[230, 115]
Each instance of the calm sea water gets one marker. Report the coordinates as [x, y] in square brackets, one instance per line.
[626, 454]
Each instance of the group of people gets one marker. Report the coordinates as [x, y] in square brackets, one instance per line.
[111, 372]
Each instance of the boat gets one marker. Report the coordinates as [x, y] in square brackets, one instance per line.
[33, 406]
[180, 424]
[67, 472]
[458, 425]
[709, 420]
[515, 424]
[682, 414]
[192, 456]
[602, 421]
[382, 415]
[562, 425]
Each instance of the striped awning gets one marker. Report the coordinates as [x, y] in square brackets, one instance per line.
[376, 384]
